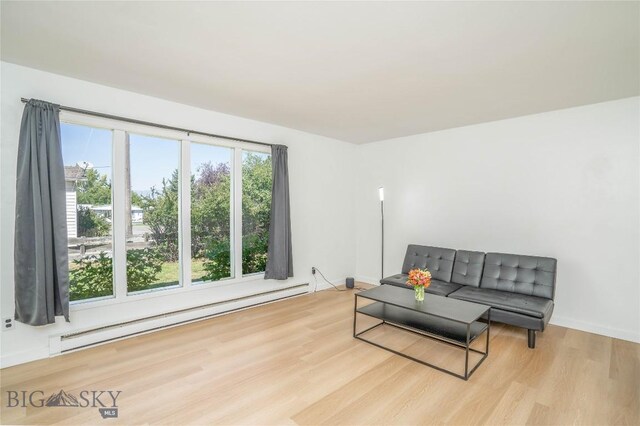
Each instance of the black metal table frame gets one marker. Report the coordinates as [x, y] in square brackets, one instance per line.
[465, 346]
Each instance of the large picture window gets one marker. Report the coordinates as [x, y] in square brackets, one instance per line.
[151, 210]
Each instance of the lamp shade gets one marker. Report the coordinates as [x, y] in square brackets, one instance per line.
[381, 193]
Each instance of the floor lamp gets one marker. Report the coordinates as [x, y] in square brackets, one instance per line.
[381, 194]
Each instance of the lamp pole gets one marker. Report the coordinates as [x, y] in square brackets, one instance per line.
[381, 194]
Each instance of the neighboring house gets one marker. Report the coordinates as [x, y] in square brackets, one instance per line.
[102, 211]
[72, 175]
[105, 211]
[136, 214]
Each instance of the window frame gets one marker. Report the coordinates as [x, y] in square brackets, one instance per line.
[181, 236]
[120, 131]
[112, 296]
[186, 206]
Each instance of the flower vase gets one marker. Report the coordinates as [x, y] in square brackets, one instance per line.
[419, 290]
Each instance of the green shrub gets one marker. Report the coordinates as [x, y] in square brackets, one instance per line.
[161, 216]
[91, 224]
[143, 266]
[92, 276]
[254, 252]
[217, 262]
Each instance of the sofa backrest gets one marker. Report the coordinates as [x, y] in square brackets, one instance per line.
[530, 275]
[438, 260]
[467, 268]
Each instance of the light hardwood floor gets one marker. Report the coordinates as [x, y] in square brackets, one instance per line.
[295, 362]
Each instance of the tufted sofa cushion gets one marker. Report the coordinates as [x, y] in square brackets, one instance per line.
[399, 280]
[467, 268]
[537, 307]
[441, 288]
[439, 261]
[529, 275]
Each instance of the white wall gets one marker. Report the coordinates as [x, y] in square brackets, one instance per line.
[563, 184]
[322, 183]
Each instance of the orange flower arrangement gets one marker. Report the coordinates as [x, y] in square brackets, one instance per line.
[419, 278]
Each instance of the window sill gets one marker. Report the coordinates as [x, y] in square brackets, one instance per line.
[80, 305]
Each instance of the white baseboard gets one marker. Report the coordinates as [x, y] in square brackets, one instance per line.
[617, 333]
[118, 332]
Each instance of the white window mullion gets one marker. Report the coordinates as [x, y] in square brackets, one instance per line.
[118, 213]
[184, 213]
[236, 212]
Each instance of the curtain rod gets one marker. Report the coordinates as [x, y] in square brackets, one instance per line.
[148, 123]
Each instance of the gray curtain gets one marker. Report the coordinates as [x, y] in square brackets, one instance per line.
[40, 255]
[279, 254]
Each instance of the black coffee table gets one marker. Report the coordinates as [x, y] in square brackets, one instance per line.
[451, 321]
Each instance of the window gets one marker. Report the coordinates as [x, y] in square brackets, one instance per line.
[211, 192]
[160, 210]
[152, 225]
[87, 152]
[256, 209]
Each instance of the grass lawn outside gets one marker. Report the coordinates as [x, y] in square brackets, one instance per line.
[169, 275]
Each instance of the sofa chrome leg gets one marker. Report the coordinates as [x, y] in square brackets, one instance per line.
[532, 339]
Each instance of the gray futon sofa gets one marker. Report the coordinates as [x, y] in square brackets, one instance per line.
[519, 289]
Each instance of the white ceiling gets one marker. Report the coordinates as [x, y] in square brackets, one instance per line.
[355, 71]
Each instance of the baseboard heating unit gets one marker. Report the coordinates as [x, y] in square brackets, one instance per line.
[100, 335]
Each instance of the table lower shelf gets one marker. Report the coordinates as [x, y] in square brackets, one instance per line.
[447, 329]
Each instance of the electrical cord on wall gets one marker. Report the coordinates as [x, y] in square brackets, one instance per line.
[313, 271]
[325, 278]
